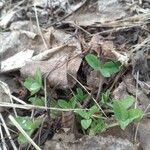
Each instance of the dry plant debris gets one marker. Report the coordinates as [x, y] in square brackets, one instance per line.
[70, 69]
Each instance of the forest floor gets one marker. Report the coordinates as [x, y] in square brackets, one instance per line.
[75, 74]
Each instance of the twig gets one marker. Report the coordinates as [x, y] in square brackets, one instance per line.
[18, 100]
[8, 133]
[68, 15]
[89, 94]
[37, 21]
[136, 131]
[23, 132]
[38, 133]
[87, 100]
[18, 4]
[4, 104]
[74, 24]
[136, 95]
[7, 91]
[2, 139]
[100, 87]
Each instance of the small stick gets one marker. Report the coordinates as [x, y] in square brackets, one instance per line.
[23, 132]
[68, 15]
[2, 139]
[37, 21]
[100, 87]
[7, 91]
[89, 94]
[136, 95]
[8, 133]
[3, 104]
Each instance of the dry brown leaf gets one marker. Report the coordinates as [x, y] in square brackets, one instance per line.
[121, 91]
[68, 120]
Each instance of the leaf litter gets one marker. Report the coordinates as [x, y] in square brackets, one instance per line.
[83, 50]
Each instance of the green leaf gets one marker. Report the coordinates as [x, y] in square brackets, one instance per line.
[124, 116]
[110, 68]
[97, 127]
[93, 61]
[72, 102]
[85, 123]
[25, 122]
[37, 101]
[38, 76]
[127, 102]
[80, 95]
[28, 126]
[22, 139]
[124, 124]
[63, 104]
[35, 87]
[32, 85]
[120, 112]
[28, 82]
[94, 109]
[135, 114]
[82, 113]
[80, 92]
[105, 97]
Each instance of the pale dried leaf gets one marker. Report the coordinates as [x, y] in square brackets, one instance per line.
[17, 61]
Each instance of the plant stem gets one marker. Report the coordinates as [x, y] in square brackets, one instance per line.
[112, 125]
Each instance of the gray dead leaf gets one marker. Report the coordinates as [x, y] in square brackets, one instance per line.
[94, 79]
[58, 66]
[8, 41]
[121, 91]
[23, 36]
[58, 75]
[17, 61]
[104, 11]
[145, 86]
[144, 134]
[61, 59]
[41, 3]
[29, 34]
[68, 121]
[14, 42]
[24, 25]
[44, 3]
[59, 37]
[5, 21]
[48, 53]
[122, 57]
[110, 10]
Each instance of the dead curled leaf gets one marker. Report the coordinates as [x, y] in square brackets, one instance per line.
[58, 69]
[121, 91]
[68, 120]
[61, 57]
